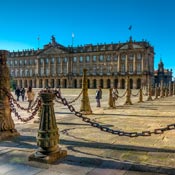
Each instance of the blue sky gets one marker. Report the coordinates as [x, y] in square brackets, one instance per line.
[91, 21]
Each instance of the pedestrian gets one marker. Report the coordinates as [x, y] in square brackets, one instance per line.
[98, 96]
[30, 96]
[23, 91]
[114, 95]
[17, 92]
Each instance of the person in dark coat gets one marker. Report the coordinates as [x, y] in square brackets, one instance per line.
[98, 96]
[23, 93]
[17, 92]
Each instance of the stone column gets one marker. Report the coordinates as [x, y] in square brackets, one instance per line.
[7, 126]
[48, 136]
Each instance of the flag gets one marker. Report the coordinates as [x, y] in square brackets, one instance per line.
[38, 38]
[73, 35]
[130, 27]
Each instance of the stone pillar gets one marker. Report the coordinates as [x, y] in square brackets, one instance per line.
[48, 137]
[85, 104]
[128, 93]
[7, 126]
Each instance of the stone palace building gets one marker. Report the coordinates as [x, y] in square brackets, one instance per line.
[107, 65]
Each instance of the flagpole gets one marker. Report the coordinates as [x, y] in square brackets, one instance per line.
[129, 28]
[72, 40]
[38, 41]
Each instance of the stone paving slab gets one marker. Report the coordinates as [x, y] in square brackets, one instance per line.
[91, 151]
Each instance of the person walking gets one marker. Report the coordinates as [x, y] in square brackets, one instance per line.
[23, 91]
[30, 96]
[98, 96]
[17, 92]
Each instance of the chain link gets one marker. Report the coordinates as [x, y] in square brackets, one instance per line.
[135, 95]
[12, 101]
[113, 131]
[122, 95]
[72, 101]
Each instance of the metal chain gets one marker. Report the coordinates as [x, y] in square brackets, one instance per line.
[135, 95]
[13, 109]
[72, 101]
[122, 95]
[17, 104]
[112, 131]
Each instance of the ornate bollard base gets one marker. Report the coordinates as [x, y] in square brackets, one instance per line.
[8, 134]
[149, 98]
[49, 158]
[128, 102]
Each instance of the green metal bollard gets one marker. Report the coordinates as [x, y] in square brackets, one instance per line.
[48, 137]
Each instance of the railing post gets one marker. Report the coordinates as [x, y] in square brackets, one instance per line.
[85, 104]
[48, 136]
[7, 126]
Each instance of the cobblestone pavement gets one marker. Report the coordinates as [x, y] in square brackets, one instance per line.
[92, 151]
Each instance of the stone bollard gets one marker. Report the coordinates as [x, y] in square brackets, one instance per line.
[173, 88]
[170, 90]
[7, 126]
[156, 93]
[85, 104]
[140, 96]
[149, 94]
[128, 93]
[48, 137]
[166, 92]
[110, 101]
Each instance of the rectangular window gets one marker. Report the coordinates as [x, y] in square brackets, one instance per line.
[130, 68]
[94, 58]
[123, 68]
[74, 59]
[138, 67]
[87, 58]
[81, 59]
[101, 58]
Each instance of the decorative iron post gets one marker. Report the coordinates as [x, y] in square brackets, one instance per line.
[48, 137]
[128, 93]
[85, 104]
[7, 126]
[140, 96]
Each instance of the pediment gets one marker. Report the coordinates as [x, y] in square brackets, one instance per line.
[55, 50]
[130, 45]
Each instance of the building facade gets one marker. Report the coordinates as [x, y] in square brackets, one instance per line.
[107, 65]
[163, 75]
